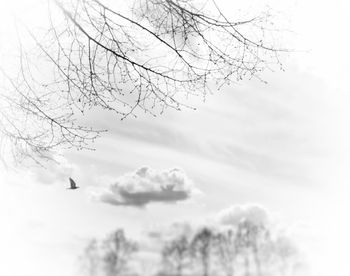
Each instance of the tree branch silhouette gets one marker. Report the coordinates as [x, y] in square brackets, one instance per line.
[95, 57]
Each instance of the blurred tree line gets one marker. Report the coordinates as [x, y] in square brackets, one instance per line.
[244, 249]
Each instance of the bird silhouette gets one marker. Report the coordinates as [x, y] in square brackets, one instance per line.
[73, 185]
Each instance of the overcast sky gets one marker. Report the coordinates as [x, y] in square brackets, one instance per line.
[282, 145]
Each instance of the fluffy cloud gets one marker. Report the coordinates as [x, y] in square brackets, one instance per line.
[253, 213]
[145, 186]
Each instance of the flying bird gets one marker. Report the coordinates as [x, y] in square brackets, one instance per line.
[73, 185]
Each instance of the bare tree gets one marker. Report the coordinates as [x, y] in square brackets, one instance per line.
[226, 248]
[286, 255]
[96, 57]
[90, 258]
[176, 256]
[251, 238]
[202, 249]
[117, 252]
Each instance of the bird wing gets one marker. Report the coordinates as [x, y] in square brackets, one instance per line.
[72, 183]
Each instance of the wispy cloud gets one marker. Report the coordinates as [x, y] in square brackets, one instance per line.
[145, 186]
[267, 131]
[52, 171]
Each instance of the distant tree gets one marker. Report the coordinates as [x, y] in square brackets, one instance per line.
[286, 255]
[226, 249]
[94, 56]
[245, 248]
[251, 237]
[202, 249]
[90, 258]
[117, 252]
[176, 255]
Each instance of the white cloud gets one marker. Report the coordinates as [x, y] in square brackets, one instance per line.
[145, 186]
[236, 213]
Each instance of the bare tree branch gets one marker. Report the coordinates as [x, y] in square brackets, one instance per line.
[94, 57]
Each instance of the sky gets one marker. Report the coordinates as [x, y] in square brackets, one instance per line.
[282, 145]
